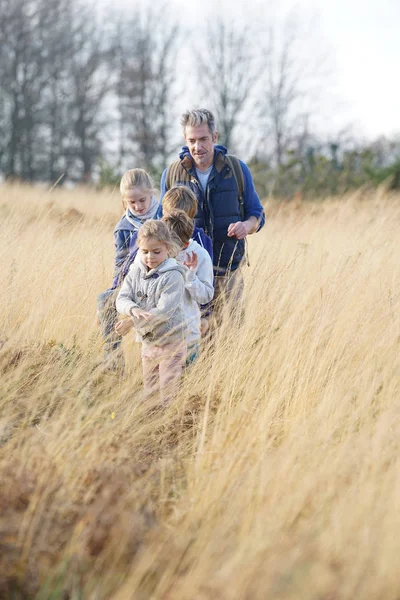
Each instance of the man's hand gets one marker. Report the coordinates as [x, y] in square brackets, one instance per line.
[191, 262]
[238, 230]
[241, 229]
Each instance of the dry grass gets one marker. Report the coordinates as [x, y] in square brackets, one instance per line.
[273, 475]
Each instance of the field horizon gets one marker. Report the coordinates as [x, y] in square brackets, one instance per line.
[274, 473]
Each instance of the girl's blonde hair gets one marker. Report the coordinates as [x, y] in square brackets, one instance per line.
[136, 178]
[160, 232]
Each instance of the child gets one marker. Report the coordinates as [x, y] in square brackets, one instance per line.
[199, 278]
[152, 295]
[199, 288]
[140, 204]
[181, 197]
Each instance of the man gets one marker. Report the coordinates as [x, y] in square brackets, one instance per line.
[227, 218]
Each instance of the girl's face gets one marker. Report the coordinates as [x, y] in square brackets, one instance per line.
[138, 201]
[153, 252]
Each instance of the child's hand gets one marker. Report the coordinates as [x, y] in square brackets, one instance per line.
[141, 314]
[204, 326]
[123, 327]
[191, 262]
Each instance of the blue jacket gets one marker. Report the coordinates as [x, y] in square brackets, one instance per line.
[125, 240]
[204, 240]
[219, 206]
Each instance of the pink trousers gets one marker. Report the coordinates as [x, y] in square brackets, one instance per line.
[162, 368]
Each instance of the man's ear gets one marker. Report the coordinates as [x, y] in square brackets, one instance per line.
[215, 140]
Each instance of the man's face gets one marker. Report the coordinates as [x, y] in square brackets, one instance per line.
[201, 145]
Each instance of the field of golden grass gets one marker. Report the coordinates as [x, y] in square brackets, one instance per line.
[274, 474]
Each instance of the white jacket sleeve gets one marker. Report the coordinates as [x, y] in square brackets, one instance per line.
[200, 284]
[124, 301]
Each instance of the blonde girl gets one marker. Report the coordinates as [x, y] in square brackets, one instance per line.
[140, 204]
[152, 295]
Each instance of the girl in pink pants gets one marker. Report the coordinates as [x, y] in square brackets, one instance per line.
[162, 367]
[152, 295]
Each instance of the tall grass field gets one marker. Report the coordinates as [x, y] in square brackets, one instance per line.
[273, 475]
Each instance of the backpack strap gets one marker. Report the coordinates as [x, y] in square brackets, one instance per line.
[176, 172]
[237, 171]
[236, 168]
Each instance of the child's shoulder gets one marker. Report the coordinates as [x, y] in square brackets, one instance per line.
[136, 266]
[199, 232]
[172, 270]
[203, 239]
[124, 225]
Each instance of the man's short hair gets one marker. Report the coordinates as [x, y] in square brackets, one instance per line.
[197, 117]
[180, 224]
[181, 197]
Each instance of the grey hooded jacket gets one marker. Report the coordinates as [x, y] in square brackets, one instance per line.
[160, 292]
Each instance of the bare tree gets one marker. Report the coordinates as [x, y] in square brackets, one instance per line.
[227, 68]
[146, 70]
[90, 81]
[53, 63]
[61, 70]
[291, 78]
[20, 83]
[58, 49]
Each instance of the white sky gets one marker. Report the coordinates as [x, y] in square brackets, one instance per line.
[363, 41]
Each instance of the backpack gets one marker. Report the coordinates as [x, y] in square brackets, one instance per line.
[234, 164]
[236, 168]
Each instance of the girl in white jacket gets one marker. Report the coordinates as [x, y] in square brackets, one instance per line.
[199, 279]
[152, 295]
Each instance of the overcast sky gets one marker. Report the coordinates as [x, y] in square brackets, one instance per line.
[362, 39]
[364, 35]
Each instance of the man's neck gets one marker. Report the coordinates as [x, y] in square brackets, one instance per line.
[203, 169]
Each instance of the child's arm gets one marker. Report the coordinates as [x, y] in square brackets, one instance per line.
[124, 326]
[124, 303]
[199, 280]
[121, 241]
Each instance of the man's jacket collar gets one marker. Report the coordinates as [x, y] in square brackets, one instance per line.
[219, 158]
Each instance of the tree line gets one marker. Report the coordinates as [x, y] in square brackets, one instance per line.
[85, 94]
[72, 85]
